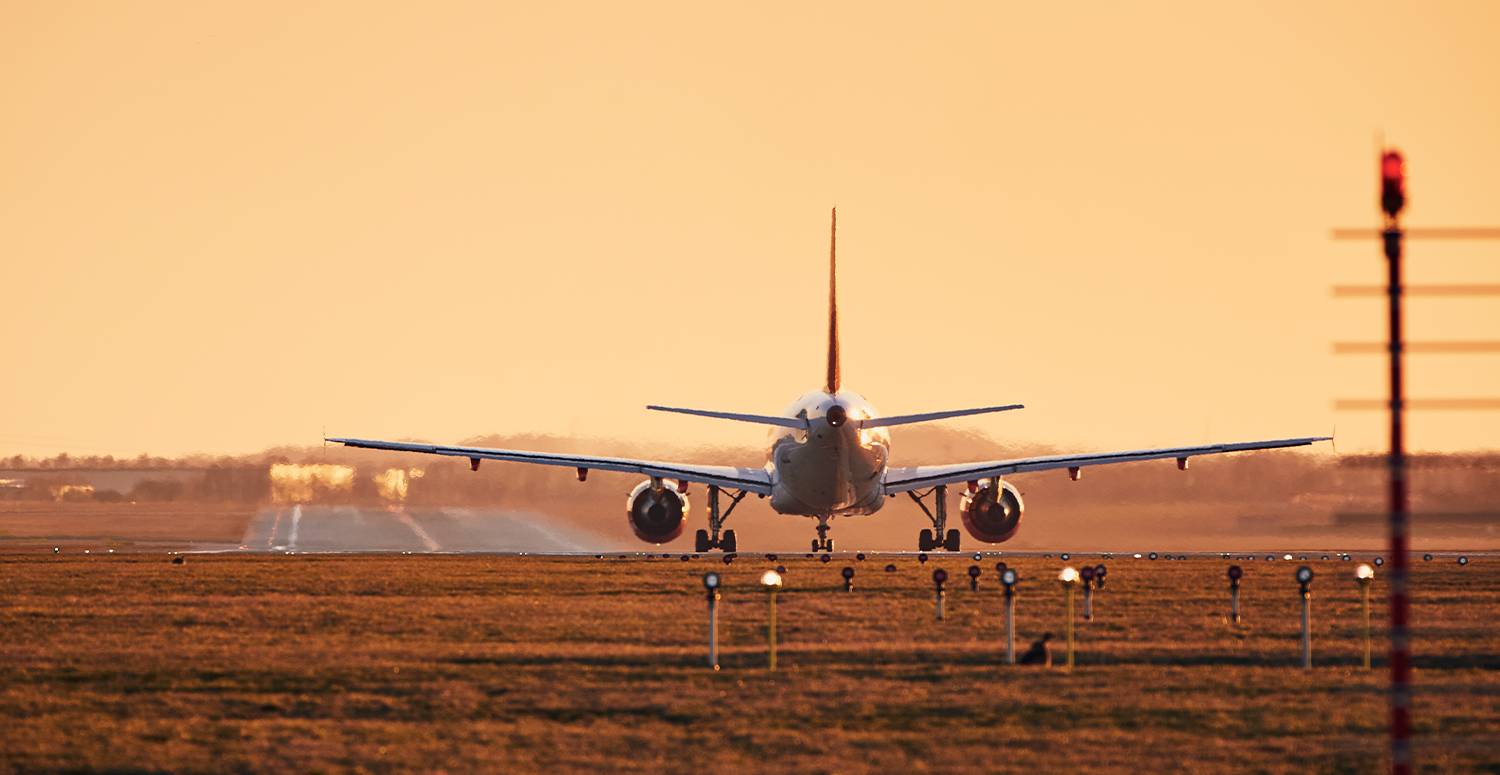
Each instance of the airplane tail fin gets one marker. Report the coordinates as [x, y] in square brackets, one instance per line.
[833, 305]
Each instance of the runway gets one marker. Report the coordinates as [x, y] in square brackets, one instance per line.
[352, 529]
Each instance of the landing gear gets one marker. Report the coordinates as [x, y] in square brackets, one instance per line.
[710, 539]
[822, 543]
[928, 540]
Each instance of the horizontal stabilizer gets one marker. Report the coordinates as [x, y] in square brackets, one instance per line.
[907, 419]
[785, 422]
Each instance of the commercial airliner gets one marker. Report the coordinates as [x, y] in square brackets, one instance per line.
[828, 457]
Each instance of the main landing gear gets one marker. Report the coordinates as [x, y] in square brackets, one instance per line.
[727, 543]
[927, 540]
[822, 543]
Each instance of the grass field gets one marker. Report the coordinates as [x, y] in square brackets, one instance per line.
[255, 663]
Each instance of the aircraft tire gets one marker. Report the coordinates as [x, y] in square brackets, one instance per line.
[728, 542]
[700, 541]
[951, 541]
[925, 542]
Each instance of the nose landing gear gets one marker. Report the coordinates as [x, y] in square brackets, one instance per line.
[822, 543]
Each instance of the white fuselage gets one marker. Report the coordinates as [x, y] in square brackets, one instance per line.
[834, 468]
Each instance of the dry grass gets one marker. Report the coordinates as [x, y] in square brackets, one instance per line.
[503, 664]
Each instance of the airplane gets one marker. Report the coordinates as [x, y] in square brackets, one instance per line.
[828, 457]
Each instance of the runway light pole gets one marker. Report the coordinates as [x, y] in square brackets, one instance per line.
[1087, 574]
[848, 574]
[1364, 574]
[772, 581]
[1304, 580]
[940, 578]
[1235, 572]
[711, 582]
[1009, 577]
[974, 577]
[1069, 579]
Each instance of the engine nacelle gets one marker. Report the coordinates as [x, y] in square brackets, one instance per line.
[656, 515]
[992, 516]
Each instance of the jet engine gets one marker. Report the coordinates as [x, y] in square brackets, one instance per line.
[992, 515]
[657, 514]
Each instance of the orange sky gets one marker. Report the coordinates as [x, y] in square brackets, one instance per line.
[227, 226]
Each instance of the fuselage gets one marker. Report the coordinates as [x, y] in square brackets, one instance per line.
[833, 468]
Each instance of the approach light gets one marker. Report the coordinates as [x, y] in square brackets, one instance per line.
[922, 558]
[686, 558]
[860, 556]
[1064, 556]
[825, 558]
[1379, 561]
[1325, 556]
[711, 580]
[1235, 572]
[974, 571]
[1068, 576]
[770, 558]
[1137, 555]
[781, 569]
[1151, 556]
[940, 576]
[771, 578]
[1087, 573]
[978, 557]
[890, 568]
[1463, 561]
[1100, 572]
[1288, 558]
[1427, 557]
[847, 572]
[1000, 567]
[1304, 575]
[1392, 183]
[1009, 577]
[1364, 572]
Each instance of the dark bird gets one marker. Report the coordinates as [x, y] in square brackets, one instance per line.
[1040, 653]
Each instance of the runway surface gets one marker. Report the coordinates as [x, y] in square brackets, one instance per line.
[352, 529]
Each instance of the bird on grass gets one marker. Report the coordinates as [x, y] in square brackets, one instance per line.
[1040, 652]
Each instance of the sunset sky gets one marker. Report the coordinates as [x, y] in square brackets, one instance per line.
[225, 226]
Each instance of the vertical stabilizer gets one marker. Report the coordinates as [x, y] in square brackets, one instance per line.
[833, 305]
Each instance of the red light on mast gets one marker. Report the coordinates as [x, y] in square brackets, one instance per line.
[1392, 183]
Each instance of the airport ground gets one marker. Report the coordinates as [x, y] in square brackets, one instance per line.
[395, 663]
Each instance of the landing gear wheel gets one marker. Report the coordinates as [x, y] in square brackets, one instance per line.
[700, 542]
[816, 544]
[728, 543]
[925, 542]
[828, 547]
[951, 541]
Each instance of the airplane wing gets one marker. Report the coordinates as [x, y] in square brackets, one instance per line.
[755, 480]
[918, 477]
